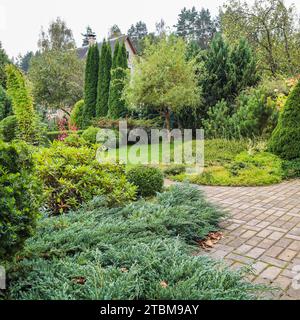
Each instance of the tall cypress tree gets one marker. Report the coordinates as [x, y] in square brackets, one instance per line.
[117, 107]
[104, 77]
[91, 83]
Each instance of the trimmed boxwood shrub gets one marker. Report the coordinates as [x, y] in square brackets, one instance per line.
[53, 135]
[285, 140]
[149, 180]
[19, 197]
[90, 135]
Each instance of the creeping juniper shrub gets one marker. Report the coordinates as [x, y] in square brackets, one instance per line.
[141, 251]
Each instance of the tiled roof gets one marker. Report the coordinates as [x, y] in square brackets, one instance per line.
[82, 52]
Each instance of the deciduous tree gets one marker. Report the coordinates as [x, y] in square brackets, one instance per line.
[164, 79]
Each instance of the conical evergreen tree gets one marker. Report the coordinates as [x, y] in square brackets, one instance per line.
[285, 140]
[22, 102]
[104, 77]
[91, 83]
[117, 107]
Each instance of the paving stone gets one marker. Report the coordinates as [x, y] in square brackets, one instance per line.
[255, 253]
[271, 273]
[274, 251]
[248, 234]
[295, 245]
[243, 249]
[266, 244]
[259, 266]
[283, 282]
[287, 255]
[263, 231]
[276, 235]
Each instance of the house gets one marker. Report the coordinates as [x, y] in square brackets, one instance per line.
[131, 51]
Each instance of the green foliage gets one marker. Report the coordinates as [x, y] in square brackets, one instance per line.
[291, 168]
[172, 86]
[104, 77]
[198, 26]
[17, 89]
[54, 135]
[72, 176]
[4, 60]
[9, 128]
[57, 78]
[149, 180]
[91, 84]
[57, 38]
[77, 114]
[285, 140]
[244, 66]
[75, 140]
[5, 104]
[90, 135]
[254, 114]
[174, 170]
[247, 169]
[117, 107]
[19, 197]
[137, 34]
[228, 70]
[219, 123]
[271, 27]
[99, 253]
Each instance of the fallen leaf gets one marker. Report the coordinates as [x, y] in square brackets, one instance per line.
[79, 280]
[163, 284]
[124, 270]
[212, 239]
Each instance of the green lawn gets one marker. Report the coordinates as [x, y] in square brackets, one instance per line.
[226, 163]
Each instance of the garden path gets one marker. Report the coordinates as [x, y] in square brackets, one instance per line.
[263, 230]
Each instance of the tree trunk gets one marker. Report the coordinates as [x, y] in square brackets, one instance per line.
[168, 121]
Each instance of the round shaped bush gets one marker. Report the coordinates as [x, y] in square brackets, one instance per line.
[90, 135]
[285, 140]
[149, 180]
[8, 128]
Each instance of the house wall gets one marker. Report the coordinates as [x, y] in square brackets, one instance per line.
[131, 55]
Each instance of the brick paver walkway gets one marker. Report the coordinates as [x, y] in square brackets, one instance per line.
[263, 230]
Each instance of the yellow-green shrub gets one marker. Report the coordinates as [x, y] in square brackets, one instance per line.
[72, 176]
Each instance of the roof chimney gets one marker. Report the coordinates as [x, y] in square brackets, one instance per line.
[92, 39]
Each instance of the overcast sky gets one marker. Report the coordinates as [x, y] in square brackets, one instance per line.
[21, 20]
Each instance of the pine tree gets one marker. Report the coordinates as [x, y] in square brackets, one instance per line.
[104, 77]
[91, 83]
[116, 103]
[244, 66]
[218, 84]
[22, 101]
